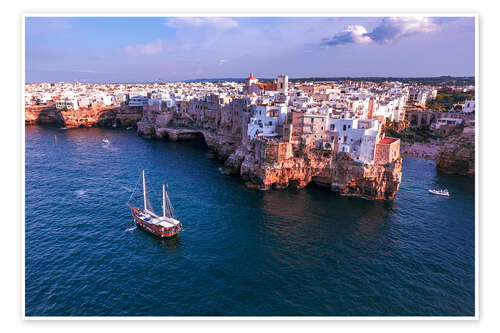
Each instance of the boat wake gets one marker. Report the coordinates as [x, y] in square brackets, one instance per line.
[109, 147]
[80, 193]
[126, 189]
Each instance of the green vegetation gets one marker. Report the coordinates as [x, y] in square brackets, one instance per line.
[444, 100]
[395, 128]
[401, 130]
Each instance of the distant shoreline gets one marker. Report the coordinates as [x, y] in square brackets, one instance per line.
[443, 79]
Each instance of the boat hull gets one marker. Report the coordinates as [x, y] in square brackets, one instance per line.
[153, 229]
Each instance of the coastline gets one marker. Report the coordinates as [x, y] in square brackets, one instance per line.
[426, 151]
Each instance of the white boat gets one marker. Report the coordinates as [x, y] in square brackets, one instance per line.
[114, 125]
[129, 128]
[105, 140]
[443, 193]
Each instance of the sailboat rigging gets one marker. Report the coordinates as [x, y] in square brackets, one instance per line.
[166, 225]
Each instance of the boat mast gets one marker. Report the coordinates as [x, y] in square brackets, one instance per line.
[144, 190]
[169, 205]
[164, 205]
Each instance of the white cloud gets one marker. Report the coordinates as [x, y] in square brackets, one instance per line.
[145, 49]
[390, 30]
[393, 29]
[221, 62]
[218, 23]
[351, 34]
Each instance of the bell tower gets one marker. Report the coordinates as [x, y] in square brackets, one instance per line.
[283, 83]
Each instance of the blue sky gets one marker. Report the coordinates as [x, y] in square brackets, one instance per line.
[137, 49]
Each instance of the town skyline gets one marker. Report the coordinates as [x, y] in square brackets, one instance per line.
[147, 49]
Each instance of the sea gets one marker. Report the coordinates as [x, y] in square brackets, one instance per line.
[244, 252]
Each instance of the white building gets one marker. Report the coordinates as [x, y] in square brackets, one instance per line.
[469, 106]
[357, 137]
[265, 120]
[138, 101]
[108, 100]
[447, 122]
[67, 103]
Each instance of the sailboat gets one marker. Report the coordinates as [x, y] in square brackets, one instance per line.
[164, 226]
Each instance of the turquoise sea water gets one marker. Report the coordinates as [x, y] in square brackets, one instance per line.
[244, 252]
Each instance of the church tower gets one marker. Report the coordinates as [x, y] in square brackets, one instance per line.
[283, 83]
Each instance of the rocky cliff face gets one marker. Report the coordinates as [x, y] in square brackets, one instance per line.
[43, 114]
[224, 132]
[336, 171]
[369, 181]
[126, 116]
[98, 115]
[457, 154]
[218, 132]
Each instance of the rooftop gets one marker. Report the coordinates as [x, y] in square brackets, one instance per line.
[387, 141]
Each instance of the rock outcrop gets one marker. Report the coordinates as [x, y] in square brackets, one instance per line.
[43, 114]
[226, 136]
[336, 171]
[97, 115]
[127, 116]
[217, 131]
[457, 154]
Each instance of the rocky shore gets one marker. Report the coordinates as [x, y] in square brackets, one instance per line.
[98, 115]
[427, 151]
[457, 154]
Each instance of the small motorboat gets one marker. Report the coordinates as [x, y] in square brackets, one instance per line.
[129, 128]
[443, 193]
[105, 140]
[114, 125]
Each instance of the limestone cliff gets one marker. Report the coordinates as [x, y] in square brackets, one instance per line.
[97, 115]
[222, 132]
[369, 181]
[336, 171]
[457, 154]
[223, 129]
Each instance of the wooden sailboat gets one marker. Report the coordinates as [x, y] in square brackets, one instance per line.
[166, 225]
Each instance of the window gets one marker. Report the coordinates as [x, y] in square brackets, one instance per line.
[332, 126]
[344, 128]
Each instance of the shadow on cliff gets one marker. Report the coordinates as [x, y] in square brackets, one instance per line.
[49, 115]
[108, 117]
[194, 137]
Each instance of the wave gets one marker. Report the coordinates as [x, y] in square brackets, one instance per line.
[131, 228]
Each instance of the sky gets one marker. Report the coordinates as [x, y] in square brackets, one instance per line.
[145, 49]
